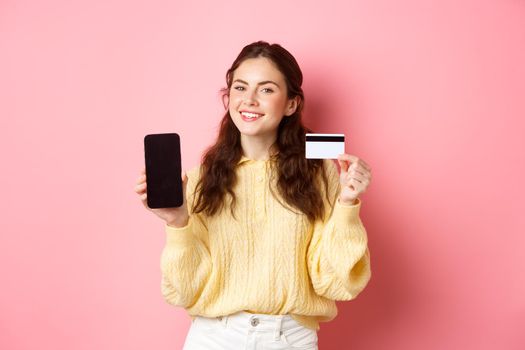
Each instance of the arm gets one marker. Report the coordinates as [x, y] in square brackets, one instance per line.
[185, 260]
[338, 257]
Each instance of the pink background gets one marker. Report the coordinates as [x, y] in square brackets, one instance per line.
[430, 94]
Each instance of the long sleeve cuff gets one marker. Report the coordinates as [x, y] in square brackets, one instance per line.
[345, 213]
[179, 236]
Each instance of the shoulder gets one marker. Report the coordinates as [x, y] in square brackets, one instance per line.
[330, 170]
[332, 185]
[329, 167]
[193, 175]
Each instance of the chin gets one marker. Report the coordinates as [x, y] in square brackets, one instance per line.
[249, 132]
[246, 129]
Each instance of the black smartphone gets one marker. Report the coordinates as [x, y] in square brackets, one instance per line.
[163, 170]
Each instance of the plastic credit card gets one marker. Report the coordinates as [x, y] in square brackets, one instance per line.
[324, 146]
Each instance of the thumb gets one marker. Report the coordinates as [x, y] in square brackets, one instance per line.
[344, 164]
[184, 183]
[184, 178]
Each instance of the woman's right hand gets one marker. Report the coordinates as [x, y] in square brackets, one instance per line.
[176, 217]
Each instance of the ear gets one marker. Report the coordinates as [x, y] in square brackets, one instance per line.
[292, 106]
[225, 101]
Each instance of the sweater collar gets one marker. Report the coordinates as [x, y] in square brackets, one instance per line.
[245, 159]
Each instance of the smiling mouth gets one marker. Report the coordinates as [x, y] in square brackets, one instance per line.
[248, 116]
[251, 115]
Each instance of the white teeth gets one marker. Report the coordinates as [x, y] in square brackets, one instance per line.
[250, 115]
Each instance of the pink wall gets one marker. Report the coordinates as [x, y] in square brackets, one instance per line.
[431, 94]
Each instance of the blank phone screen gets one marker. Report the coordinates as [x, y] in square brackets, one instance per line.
[163, 170]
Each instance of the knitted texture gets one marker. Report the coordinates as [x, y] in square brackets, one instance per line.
[269, 259]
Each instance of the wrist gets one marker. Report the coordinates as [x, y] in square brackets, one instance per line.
[177, 223]
[348, 202]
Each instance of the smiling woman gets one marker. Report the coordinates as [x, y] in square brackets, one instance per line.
[266, 240]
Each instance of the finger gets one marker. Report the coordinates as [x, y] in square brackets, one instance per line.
[344, 165]
[141, 188]
[348, 157]
[367, 167]
[354, 177]
[357, 176]
[184, 184]
[357, 185]
[351, 186]
[354, 159]
[141, 179]
[362, 163]
[144, 199]
[359, 169]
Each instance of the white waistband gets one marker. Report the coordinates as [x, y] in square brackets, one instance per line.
[253, 321]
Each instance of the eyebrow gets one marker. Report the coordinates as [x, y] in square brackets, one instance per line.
[260, 83]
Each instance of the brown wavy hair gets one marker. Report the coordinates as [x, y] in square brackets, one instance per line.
[298, 178]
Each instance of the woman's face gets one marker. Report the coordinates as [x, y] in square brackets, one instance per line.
[258, 98]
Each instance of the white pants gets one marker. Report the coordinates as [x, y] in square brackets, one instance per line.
[247, 331]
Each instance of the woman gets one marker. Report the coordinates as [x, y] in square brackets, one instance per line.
[271, 239]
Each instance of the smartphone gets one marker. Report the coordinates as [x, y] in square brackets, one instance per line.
[163, 170]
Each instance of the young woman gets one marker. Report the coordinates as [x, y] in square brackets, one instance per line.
[267, 240]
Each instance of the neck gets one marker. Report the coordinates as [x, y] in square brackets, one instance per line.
[257, 147]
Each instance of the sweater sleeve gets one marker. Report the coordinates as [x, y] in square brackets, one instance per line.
[185, 260]
[338, 257]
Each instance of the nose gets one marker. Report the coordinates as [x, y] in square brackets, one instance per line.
[250, 99]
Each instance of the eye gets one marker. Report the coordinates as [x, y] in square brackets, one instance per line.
[239, 88]
[268, 90]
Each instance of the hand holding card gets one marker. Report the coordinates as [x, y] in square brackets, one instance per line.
[355, 176]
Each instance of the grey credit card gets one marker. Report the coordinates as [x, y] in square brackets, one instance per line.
[324, 146]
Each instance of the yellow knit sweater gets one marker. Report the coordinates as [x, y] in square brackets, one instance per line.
[270, 261]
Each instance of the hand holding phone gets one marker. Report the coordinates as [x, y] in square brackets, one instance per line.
[176, 217]
[163, 170]
[164, 193]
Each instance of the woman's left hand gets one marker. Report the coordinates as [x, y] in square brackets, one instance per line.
[355, 176]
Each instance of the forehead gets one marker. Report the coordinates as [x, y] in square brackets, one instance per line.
[258, 69]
